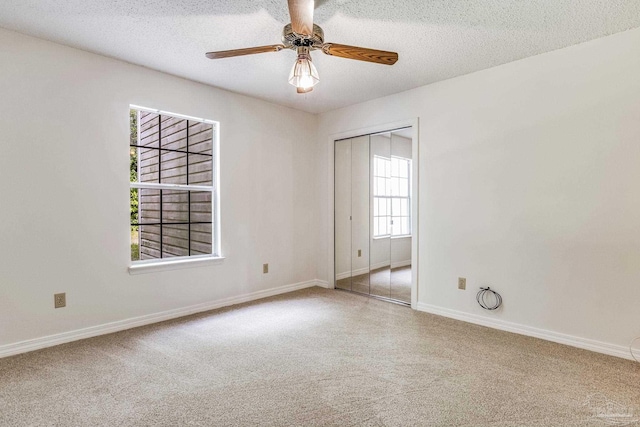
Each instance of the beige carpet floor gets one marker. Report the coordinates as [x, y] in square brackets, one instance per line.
[316, 357]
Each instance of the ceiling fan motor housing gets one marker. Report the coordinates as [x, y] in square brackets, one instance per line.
[292, 40]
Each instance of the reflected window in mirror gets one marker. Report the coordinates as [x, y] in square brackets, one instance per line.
[391, 196]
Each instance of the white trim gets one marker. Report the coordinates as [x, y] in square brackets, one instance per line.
[121, 325]
[570, 340]
[156, 265]
[184, 187]
[398, 264]
[216, 255]
[215, 198]
[373, 130]
[331, 217]
[388, 236]
[323, 284]
[415, 212]
[393, 264]
[353, 273]
[177, 115]
[340, 276]
[390, 216]
[139, 159]
[378, 265]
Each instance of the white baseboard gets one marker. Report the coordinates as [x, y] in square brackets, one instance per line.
[120, 325]
[570, 340]
[353, 273]
[323, 284]
[107, 328]
[341, 276]
[398, 264]
[378, 265]
[394, 264]
[358, 272]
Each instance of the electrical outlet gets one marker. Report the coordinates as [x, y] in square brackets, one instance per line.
[462, 283]
[359, 253]
[59, 300]
[265, 268]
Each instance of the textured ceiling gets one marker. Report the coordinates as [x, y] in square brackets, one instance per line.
[436, 40]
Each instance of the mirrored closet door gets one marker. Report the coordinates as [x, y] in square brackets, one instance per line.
[352, 214]
[373, 215]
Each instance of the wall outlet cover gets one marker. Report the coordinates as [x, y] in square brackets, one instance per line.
[265, 268]
[462, 283]
[59, 300]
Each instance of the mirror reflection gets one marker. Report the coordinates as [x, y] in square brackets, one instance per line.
[360, 261]
[400, 239]
[381, 211]
[373, 235]
[342, 214]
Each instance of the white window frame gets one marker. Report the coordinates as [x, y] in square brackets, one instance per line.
[161, 264]
[388, 198]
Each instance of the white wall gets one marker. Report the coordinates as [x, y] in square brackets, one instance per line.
[529, 182]
[64, 191]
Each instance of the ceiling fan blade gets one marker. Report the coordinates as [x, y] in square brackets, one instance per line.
[301, 12]
[360, 53]
[302, 90]
[247, 51]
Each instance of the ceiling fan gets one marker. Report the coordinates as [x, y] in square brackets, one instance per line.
[303, 36]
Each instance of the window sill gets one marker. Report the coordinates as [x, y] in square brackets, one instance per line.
[404, 236]
[156, 266]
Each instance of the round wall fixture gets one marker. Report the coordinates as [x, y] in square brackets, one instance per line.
[488, 299]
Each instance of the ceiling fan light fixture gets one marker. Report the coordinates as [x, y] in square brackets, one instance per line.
[303, 36]
[303, 74]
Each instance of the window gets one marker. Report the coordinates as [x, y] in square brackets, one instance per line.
[173, 186]
[391, 196]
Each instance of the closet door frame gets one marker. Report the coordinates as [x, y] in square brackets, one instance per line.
[385, 127]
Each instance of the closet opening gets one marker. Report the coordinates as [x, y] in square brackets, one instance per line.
[373, 215]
